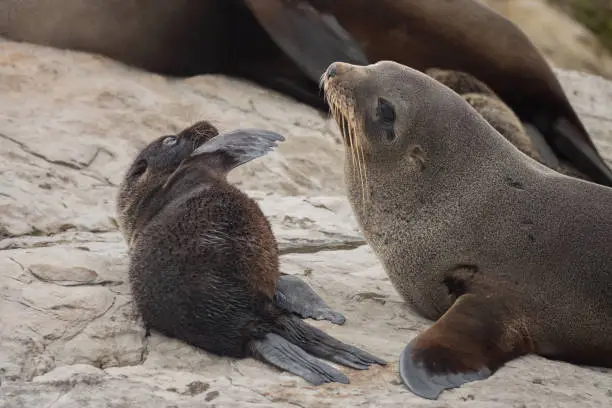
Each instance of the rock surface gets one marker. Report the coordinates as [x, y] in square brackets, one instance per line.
[565, 42]
[69, 337]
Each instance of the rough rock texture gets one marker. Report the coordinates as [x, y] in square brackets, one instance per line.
[69, 125]
[565, 42]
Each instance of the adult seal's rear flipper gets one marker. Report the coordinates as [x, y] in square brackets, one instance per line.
[311, 39]
[279, 352]
[295, 296]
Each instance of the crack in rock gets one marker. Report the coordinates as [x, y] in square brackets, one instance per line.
[314, 248]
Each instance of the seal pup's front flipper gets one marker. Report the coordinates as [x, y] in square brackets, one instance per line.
[237, 147]
[281, 353]
[313, 40]
[469, 342]
[295, 296]
[224, 152]
[322, 345]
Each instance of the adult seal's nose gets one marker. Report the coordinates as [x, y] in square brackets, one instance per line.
[337, 68]
[332, 70]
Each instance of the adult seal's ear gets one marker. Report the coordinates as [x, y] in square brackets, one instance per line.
[312, 39]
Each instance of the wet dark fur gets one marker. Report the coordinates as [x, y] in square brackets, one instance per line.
[179, 297]
[204, 262]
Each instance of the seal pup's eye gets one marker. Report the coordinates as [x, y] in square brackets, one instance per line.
[139, 168]
[170, 141]
[385, 111]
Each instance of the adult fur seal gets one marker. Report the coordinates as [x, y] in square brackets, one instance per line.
[287, 44]
[204, 262]
[509, 256]
[502, 118]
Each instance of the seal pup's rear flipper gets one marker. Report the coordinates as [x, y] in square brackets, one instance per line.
[295, 296]
[281, 353]
[468, 343]
[322, 345]
[313, 40]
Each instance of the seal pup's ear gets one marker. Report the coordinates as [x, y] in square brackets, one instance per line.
[237, 147]
[313, 40]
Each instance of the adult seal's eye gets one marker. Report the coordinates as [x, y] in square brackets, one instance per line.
[386, 113]
[170, 141]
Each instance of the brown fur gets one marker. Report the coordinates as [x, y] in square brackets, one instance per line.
[204, 261]
[498, 114]
[509, 251]
[501, 117]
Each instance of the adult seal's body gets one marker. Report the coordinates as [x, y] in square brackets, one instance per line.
[204, 263]
[509, 256]
[287, 44]
[503, 119]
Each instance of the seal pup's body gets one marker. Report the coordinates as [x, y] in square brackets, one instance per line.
[204, 261]
[509, 256]
[286, 45]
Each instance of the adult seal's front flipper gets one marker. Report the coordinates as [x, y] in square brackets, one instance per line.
[313, 40]
[295, 296]
[473, 339]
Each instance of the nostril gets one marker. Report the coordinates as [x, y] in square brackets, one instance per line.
[331, 71]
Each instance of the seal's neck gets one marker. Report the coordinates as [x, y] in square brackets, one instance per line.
[449, 156]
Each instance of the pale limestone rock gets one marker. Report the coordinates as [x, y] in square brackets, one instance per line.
[69, 337]
[565, 42]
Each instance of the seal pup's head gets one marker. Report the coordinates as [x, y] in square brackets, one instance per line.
[173, 164]
[152, 167]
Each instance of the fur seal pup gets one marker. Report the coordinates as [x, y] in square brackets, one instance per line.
[286, 45]
[508, 256]
[502, 118]
[204, 263]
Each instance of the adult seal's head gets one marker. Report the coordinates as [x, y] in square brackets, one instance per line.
[472, 232]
